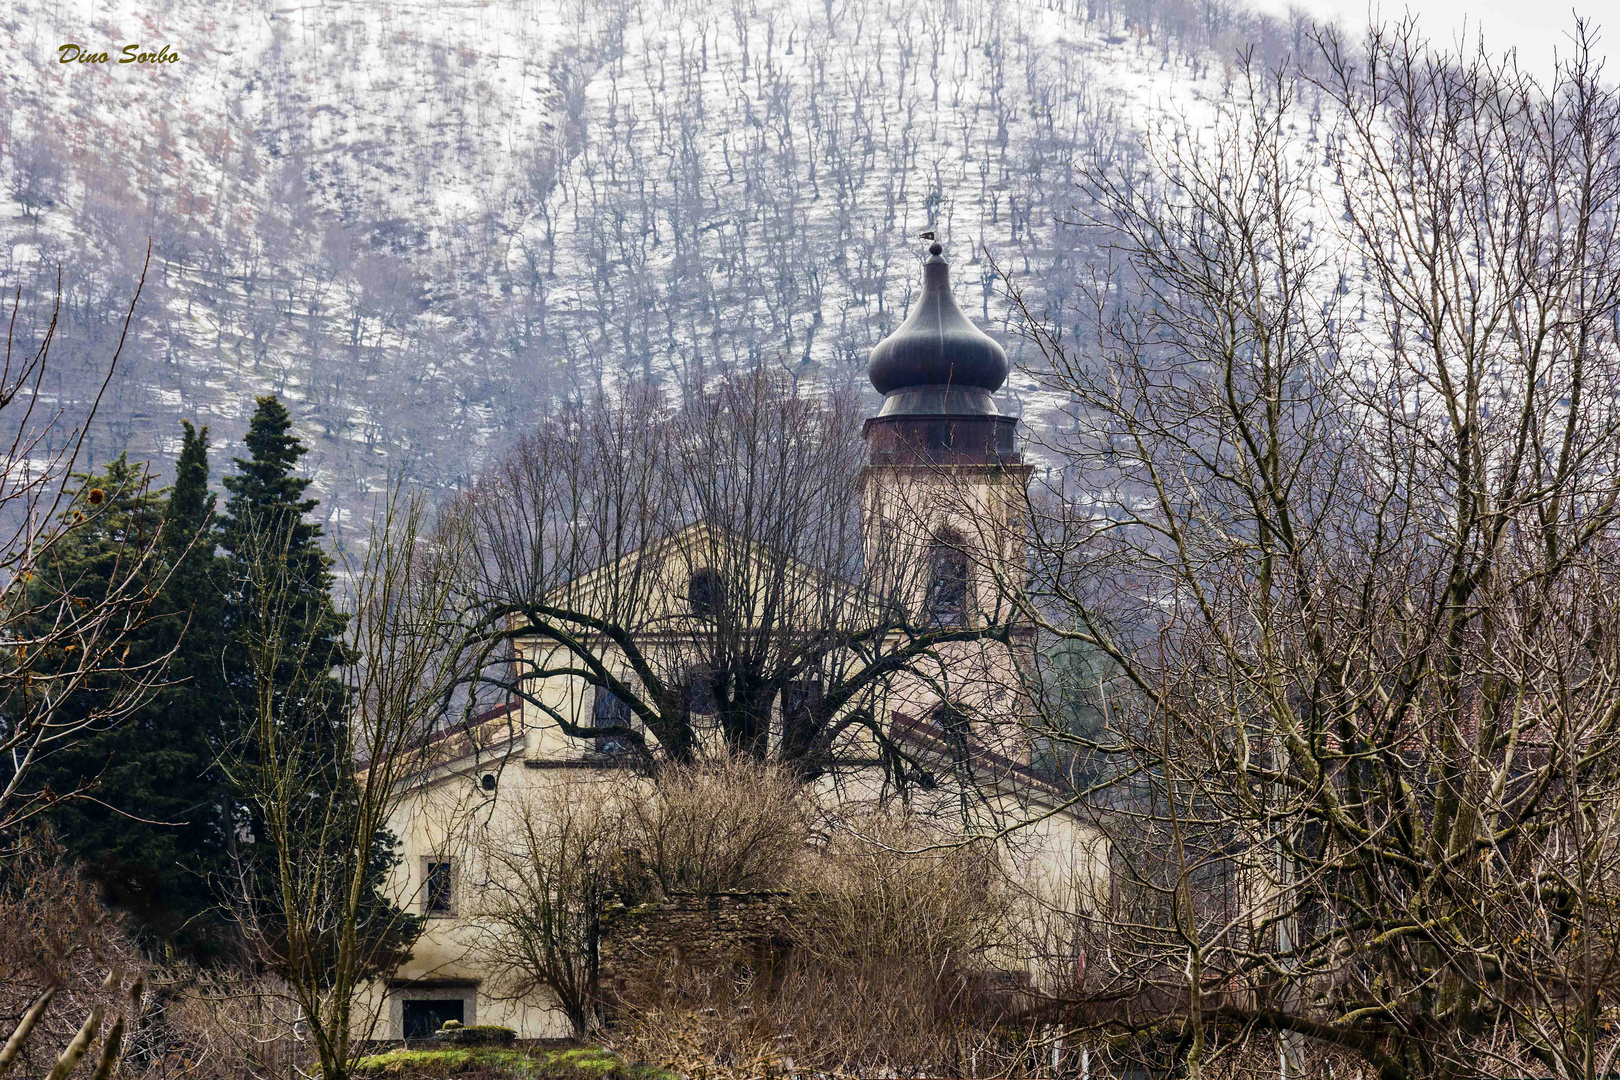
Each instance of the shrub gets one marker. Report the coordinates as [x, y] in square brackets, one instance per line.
[479, 1035]
[724, 825]
[891, 971]
[56, 935]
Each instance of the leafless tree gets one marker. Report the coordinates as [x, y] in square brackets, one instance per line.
[36, 173]
[63, 640]
[707, 567]
[713, 826]
[544, 880]
[1341, 513]
[315, 912]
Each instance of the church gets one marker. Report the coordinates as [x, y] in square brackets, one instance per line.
[942, 499]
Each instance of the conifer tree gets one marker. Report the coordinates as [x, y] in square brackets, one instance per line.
[193, 603]
[265, 517]
[268, 540]
[145, 822]
[267, 499]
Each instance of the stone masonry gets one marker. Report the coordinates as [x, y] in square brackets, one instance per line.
[645, 941]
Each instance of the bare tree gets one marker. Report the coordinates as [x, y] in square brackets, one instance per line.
[63, 639]
[544, 882]
[713, 826]
[705, 565]
[222, 1023]
[1341, 512]
[316, 913]
[36, 173]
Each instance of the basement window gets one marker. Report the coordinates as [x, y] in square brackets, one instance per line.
[424, 1017]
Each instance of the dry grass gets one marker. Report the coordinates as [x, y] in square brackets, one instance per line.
[890, 971]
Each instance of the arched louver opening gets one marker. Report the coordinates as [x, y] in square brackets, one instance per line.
[948, 584]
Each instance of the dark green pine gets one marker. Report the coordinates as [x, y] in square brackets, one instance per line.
[148, 825]
[266, 516]
[267, 500]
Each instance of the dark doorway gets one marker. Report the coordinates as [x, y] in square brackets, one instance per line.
[423, 1018]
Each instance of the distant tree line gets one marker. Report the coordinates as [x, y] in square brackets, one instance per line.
[733, 189]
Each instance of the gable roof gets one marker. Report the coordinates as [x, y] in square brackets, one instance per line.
[689, 542]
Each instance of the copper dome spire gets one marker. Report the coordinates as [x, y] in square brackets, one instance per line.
[937, 346]
[936, 373]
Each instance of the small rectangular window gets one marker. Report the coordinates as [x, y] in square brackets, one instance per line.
[438, 887]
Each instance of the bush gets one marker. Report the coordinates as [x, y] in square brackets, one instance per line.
[222, 1024]
[725, 825]
[55, 933]
[892, 969]
[478, 1035]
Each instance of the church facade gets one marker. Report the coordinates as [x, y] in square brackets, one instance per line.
[942, 502]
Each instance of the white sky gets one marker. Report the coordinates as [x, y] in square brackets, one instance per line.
[1534, 27]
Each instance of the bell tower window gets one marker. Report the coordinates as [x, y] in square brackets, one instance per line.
[948, 585]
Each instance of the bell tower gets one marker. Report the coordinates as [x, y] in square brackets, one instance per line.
[944, 478]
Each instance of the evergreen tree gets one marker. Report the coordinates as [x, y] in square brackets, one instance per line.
[193, 602]
[147, 825]
[265, 534]
[267, 505]
[265, 519]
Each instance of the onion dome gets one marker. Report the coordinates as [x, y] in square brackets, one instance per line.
[937, 372]
[938, 346]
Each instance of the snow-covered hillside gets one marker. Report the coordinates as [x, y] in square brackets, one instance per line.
[423, 224]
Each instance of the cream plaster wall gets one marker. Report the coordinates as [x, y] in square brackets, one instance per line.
[1060, 861]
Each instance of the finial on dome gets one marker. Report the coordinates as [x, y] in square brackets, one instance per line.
[938, 346]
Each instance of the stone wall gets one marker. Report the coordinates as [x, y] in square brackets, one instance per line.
[645, 942]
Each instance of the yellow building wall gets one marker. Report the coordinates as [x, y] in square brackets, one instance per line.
[1059, 861]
